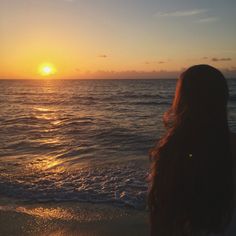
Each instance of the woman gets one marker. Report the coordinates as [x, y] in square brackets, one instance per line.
[192, 185]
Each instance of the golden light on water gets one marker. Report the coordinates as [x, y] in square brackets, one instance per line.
[47, 69]
[47, 213]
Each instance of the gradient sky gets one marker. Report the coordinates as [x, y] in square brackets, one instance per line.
[116, 38]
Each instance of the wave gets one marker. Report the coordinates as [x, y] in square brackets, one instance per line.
[114, 184]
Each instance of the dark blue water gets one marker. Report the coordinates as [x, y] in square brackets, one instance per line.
[82, 140]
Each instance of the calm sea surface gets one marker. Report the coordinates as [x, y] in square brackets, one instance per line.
[77, 140]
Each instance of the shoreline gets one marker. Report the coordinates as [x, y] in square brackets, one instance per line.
[70, 219]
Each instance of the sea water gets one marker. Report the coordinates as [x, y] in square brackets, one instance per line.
[82, 140]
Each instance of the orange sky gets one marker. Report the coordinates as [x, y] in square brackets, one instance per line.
[115, 39]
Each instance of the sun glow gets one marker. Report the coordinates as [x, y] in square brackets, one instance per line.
[47, 69]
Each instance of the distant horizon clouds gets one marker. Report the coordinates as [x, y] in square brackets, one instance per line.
[221, 59]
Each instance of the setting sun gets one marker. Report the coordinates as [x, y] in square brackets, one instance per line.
[47, 69]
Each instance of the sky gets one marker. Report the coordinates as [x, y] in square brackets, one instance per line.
[115, 38]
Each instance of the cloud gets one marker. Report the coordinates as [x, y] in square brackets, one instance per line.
[192, 12]
[207, 20]
[154, 62]
[102, 56]
[215, 59]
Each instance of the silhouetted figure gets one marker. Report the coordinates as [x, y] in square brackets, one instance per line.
[192, 173]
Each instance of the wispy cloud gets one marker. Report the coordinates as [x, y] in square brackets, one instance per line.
[102, 56]
[155, 62]
[208, 20]
[191, 12]
[69, 0]
[215, 59]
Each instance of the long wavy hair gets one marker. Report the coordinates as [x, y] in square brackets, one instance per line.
[191, 188]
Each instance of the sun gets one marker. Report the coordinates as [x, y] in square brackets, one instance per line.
[47, 69]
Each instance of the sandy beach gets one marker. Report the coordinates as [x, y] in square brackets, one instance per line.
[82, 219]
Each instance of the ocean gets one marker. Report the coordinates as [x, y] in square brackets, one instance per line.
[82, 140]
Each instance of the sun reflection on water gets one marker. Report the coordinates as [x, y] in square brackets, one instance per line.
[57, 122]
[43, 109]
[54, 140]
[45, 163]
[46, 113]
[47, 213]
[46, 117]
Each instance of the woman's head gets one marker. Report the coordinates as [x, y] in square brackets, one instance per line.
[191, 177]
[201, 94]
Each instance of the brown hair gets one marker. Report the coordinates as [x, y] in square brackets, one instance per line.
[191, 189]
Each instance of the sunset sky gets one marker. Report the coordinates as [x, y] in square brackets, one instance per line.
[115, 38]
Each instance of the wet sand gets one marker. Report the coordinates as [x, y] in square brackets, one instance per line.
[60, 219]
